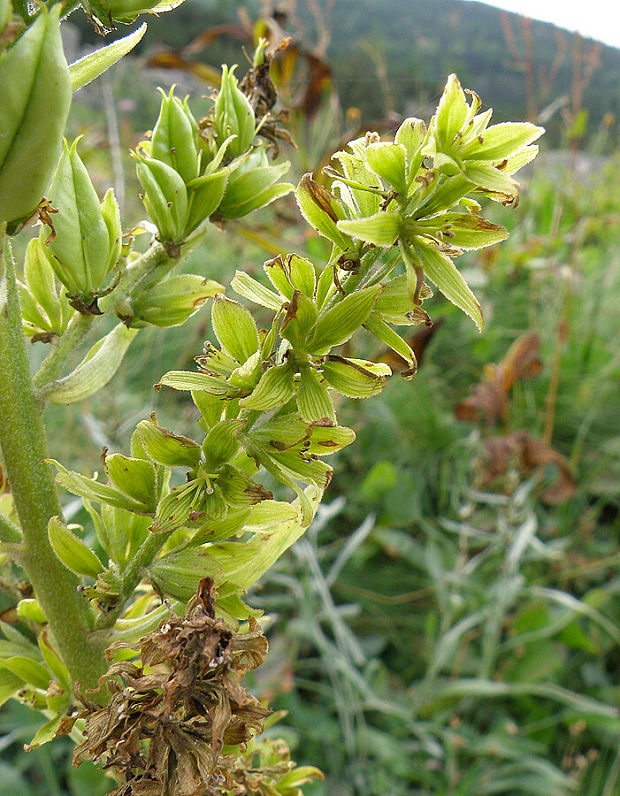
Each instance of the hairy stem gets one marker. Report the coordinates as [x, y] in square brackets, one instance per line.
[74, 334]
[24, 446]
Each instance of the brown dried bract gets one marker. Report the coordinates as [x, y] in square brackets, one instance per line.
[489, 398]
[167, 721]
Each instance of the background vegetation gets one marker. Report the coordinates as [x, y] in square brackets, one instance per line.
[451, 622]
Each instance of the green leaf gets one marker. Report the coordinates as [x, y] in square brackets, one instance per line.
[244, 563]
[205, 194]
[313, 401]
[134, 477]
[274, 389]
[491, 179]
[322, 210]
[502, 140]
[388, 161]
[220, 444]
[9, 685]
[174, 508]
[45, 733]
[393, 340]
[352, 379]
[257, 201]
[95, 370]
[173, 301]
[382, 229]
[471, 231]
[338, 324]
[165, 447]
[186, 380]
[249, 288]
[93, 490]
[29, 671]
[278, 275]
[244, 188]
[442, 272]
[238, 489]
[299, 320]
[325, 440]
[395, 305]
[452, 112]
[301, 274]
[89, 67]
[235, 328]
[73, 552]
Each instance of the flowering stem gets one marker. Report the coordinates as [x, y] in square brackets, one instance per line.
[24, 446]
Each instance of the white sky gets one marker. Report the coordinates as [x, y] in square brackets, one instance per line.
[594, 19]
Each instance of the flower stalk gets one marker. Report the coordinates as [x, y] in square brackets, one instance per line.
[24, 446]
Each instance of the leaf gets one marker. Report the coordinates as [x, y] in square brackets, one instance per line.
[165, 447]
[352, 379]
[45, 733]
[186, 380]
[313, 399]
[274, 389]
[502, 140]
[89, 67]
[28, 670]
[95, 370]
[388, 161]
[252, 290]
[235, 328]
[471, 231]
[73, 552]
[382, 228]
[178, 574]
[322, 210]
[244, 563]
[93, 490]
[451, 113]
[337, 324]
[393, 340]
[443, 273]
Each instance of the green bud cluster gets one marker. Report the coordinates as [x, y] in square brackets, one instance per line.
[191, 172]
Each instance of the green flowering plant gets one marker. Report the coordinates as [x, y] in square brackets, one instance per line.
[156, 628]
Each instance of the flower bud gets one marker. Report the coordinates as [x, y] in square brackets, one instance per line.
[172, 301]
[165, 197]
[174, 137]
[34, 85]
[233, 115]
[85, 240]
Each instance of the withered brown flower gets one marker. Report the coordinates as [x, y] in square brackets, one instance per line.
[169, 719]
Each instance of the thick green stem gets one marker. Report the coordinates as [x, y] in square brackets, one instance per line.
[51, 366]
[24, 446]
[138, 272]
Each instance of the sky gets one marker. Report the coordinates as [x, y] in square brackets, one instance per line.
[595, 19]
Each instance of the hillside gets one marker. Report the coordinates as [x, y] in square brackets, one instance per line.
[419, 42]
